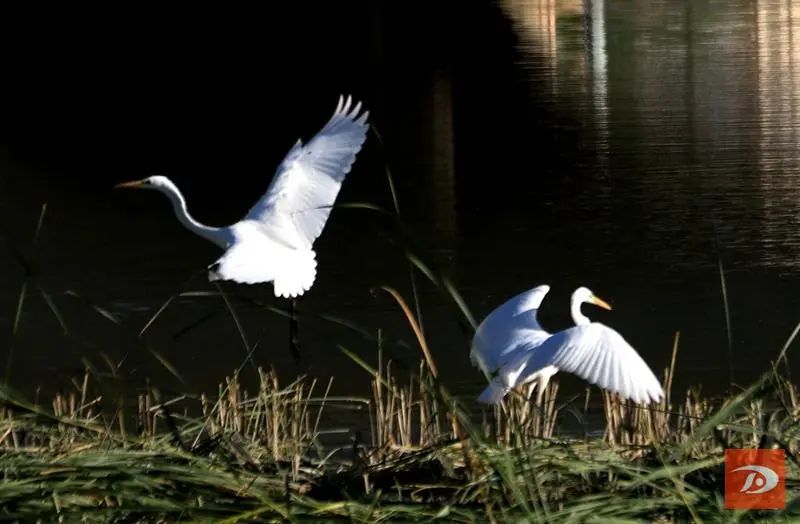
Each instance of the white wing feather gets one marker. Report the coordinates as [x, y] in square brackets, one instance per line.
[594, 352]
[509, 330]
[299, 199]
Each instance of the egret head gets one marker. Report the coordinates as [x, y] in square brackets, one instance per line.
[153, 182]
[584, 294]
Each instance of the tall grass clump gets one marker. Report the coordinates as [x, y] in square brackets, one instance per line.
[252, 454]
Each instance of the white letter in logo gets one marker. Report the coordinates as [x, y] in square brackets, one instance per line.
[764, 479]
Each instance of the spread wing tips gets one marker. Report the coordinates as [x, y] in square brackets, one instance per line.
[646, 391]
[347, 112]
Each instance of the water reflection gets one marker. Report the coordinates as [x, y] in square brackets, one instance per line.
[596, 48]
[778, 40]
[442, 174]
[548, 39]
[691, 108]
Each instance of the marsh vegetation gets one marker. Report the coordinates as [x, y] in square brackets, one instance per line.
[258, 454]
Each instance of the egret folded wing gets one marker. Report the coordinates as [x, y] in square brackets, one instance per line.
[509, 330]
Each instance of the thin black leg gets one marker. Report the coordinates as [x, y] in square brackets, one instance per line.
[294, 341]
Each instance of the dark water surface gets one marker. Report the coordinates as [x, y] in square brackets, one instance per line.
[626, 146]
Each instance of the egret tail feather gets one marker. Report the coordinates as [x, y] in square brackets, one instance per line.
[298, 277]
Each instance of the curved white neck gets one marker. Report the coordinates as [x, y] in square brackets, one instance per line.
[579, 318]
[217, 235]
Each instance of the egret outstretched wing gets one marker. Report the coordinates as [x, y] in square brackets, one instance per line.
[509, 330]
[594, 352]
[299, 199]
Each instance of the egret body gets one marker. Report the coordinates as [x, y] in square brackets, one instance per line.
[590, 350]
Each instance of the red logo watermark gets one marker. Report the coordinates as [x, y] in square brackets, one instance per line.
[755, 479]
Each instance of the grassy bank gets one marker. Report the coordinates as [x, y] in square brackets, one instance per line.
[258, 455]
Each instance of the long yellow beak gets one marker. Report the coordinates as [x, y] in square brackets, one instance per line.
[133, 184]
[600, 302]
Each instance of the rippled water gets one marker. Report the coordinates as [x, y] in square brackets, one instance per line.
[629, 146]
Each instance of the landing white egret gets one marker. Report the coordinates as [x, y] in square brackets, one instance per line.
[273, 242]
[590, 350]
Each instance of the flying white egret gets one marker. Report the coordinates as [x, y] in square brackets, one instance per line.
[590, 350]
[273, 242]
[508, 330]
